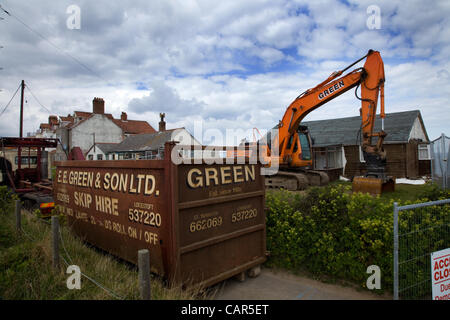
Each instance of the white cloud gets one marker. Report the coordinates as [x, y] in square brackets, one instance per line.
[162, 98]
[234, 64]
[324, 44]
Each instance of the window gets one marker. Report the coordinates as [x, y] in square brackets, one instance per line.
[330, 157]
[26, 159]
[160, 153]
[129, 156]
[99, 157]
[304, 143]
[91, 157]
[424, 151]
[334, 157]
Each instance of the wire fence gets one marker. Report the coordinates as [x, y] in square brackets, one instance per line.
[7, 204]
[440, 166]
[419, 230]
[109, 291]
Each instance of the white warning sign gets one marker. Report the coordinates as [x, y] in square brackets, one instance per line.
[440, 274]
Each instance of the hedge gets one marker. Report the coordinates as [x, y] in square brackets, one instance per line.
[331, 231]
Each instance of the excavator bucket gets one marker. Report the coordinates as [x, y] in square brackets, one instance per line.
[372, 185]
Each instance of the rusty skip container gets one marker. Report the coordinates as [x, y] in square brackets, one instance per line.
[201, 223]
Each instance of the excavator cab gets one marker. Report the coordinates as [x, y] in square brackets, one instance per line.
[305, 143]
[299, 147]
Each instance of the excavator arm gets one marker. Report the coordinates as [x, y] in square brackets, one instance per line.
[370, 78]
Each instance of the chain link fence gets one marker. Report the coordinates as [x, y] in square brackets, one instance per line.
[419, 230]
[440, 166]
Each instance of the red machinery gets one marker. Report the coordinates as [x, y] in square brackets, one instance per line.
[26, 180]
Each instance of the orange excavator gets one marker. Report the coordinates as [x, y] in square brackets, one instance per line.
[293, 142]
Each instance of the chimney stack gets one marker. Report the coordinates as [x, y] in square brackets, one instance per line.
[98, 106]
[162, 123]
[52, 120]
[123, 116]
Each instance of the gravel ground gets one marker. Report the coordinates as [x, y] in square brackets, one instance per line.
[281, 285]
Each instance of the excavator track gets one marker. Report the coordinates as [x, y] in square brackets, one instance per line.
[299, 180]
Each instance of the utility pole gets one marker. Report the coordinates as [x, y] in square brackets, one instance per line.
[19, 149]
[21, 109]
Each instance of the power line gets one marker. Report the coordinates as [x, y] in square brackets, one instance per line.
[4, 10]
[53, 45]
[1, 47]
[4, 109]
[35, 98]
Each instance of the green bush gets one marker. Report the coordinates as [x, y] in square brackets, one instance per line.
[7, 199]
[331, 231]
[433, 192]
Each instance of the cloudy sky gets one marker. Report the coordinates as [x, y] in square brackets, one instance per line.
[227, 65]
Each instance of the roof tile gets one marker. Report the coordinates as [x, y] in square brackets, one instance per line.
[134, 126]
[146, 141]
[344, 131]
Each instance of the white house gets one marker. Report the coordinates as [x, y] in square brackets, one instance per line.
[151, 145]
[101, 151]
[85, 130]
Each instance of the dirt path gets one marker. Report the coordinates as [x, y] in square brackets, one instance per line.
[280, 285]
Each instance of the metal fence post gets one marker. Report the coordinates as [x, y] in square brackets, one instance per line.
[395, 251]
[421, 233]
[55, 242]
[444, 166]
[18, 215]
[144, 274]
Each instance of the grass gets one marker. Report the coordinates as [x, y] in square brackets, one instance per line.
[402, 193]
[405, 192]
[26, 267]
